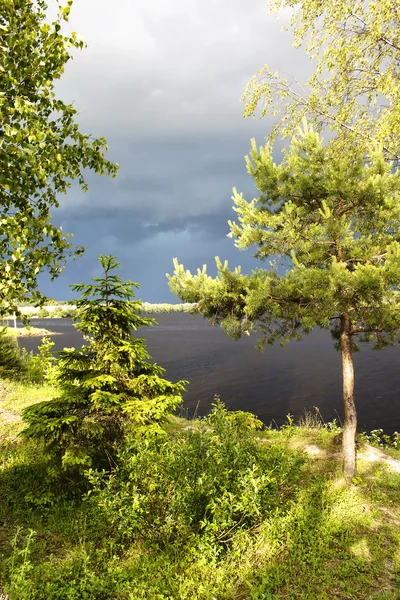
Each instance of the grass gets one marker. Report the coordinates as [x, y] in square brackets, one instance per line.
[17, 395]
[28, 331]
[322, 541]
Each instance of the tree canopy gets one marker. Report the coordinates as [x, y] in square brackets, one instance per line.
[330, 225]
[355, 88]
[42, 149]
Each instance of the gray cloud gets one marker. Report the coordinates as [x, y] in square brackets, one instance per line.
[184, 178]
[170, 66]
[162, 81]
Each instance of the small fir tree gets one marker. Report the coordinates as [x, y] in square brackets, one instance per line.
[330, 225]
[108, 385]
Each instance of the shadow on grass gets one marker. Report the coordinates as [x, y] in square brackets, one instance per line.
[33, 500]
[335, 542]
[329, 541]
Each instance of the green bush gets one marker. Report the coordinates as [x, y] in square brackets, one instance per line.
[19, 364]
[39, 367]
[213, 480]
[377, 437]
[66, 311]
[12, 363]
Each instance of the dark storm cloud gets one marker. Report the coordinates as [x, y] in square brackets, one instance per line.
[162, 81]
[171, 179]
[130, 228]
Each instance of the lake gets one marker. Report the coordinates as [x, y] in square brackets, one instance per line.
[271, 384]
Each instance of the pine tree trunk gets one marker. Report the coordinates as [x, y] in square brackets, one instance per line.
[350, 414]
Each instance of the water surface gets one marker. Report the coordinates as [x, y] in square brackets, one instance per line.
[270, 384]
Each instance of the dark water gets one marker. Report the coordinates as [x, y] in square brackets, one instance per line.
[270, 384]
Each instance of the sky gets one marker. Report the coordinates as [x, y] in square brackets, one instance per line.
[163, 81]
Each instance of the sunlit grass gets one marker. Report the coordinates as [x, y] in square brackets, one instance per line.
[16, 395]
[28, 331]
[329, 541]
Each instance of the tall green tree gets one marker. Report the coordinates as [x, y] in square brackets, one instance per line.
[108, 386]
[42, 149]
[355, 87]
[330, 225]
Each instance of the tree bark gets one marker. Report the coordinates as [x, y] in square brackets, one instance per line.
[350, 413]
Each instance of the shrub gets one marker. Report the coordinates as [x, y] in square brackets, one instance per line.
[39, 367]
[12, 363]
[21, 365]
[214, 480]
[68, 312]
[377, 437]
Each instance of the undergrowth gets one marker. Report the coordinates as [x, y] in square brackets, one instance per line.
[210, 509]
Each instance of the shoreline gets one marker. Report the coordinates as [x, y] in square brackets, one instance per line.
[16, 332]
[65, 310]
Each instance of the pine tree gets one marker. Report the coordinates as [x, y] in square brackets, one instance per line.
[330, 225]
[108, 385]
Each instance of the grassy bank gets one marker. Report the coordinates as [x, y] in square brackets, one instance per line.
[287, 530]
[28, 331]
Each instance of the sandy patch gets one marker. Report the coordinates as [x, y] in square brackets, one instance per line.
[374, 455]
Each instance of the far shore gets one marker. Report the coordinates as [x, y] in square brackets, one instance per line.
[65, 310]
[29, 332]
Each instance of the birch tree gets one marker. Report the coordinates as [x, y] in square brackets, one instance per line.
[355, 87]
[42, 149]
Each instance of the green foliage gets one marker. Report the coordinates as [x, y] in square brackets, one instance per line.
[19, 364]
[310, 537]
[330, 223]
[41, 150]
[27, 331]
[355, 87]
[75, 580]
[320, 525]
[107, 386]
[43, 313]
[155, 309]
[21, 566]
[11, 361]
[377, 437]
[214, 480]
[69, 311]
[47, 360]
[40, 367]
